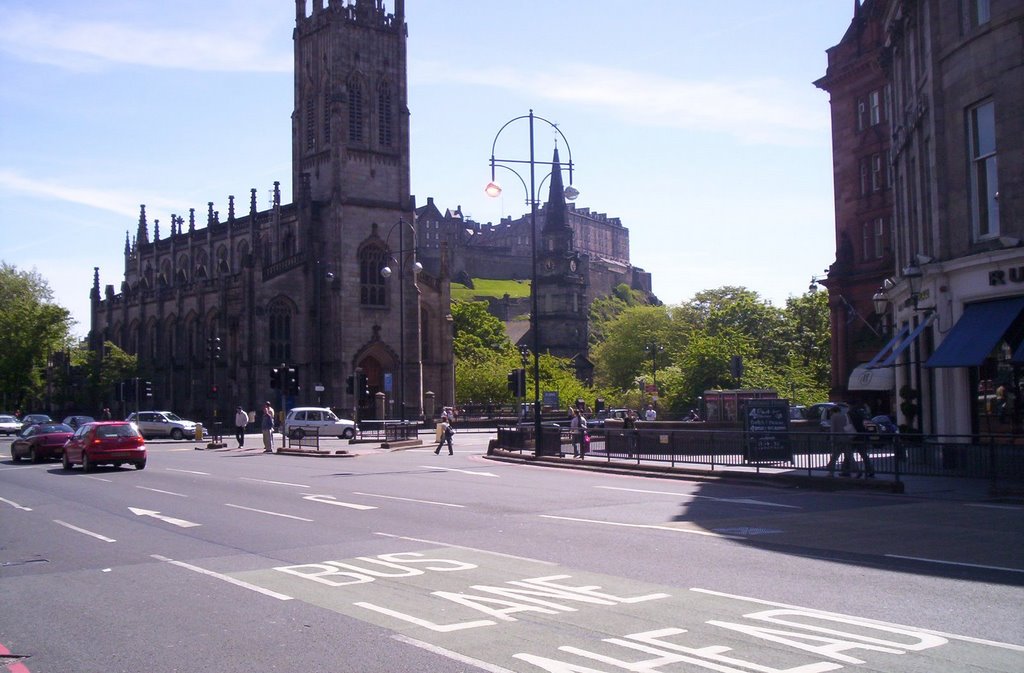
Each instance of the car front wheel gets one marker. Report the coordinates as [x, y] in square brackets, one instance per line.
[33, 456]
[349, 433]
[87, 465]
[14, 456]
[65, 461]
[298, 433]
[176, 433]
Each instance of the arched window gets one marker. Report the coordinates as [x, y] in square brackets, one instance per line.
[385, 116]
[280, 323]
[355, 111]
[371, 282]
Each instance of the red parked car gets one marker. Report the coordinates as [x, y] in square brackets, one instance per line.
[41, 441]
[107, 442]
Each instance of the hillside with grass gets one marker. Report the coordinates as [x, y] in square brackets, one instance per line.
[487, 288]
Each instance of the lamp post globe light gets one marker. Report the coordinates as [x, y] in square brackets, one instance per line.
[493, 189]
[415, 267]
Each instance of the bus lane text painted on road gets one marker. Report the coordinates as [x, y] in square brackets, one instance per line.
[581, 622]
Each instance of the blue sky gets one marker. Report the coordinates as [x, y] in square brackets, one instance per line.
[694, 122]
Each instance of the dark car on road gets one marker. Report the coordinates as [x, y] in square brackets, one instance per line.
[32, 419]
[106, 442]
[41, 441]
[76, 421]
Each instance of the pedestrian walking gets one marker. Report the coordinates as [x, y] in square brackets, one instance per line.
[578, 432]
[839, 437]
[860, 441]
[241, 420]
[650, 414]
[106, 416]
[267, 425]
[446, 437]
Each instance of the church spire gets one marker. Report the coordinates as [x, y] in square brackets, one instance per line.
[555, 217]
[143, 234]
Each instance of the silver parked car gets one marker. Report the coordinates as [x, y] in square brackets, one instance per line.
[163, 424]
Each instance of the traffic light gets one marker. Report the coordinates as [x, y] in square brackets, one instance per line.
[517, 382]
[350, 385]
[148, 388]
[362, 387]
[292, 382]
[275, 378]
[213, 391]
[213, 349]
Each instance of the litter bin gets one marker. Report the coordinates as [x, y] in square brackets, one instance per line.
[199, 432]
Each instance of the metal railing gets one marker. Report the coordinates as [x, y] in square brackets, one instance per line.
[999, 458]
[388, 430]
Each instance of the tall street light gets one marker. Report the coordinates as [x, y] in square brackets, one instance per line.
[493, 189]
[654, 348]
[416, 267]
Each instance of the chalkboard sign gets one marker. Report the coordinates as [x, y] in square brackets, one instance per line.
[766, 423]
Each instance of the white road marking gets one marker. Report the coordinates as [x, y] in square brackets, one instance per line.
[459, 546]
[226, 578]
[461, 658]
[395, 497]
[955, 563]
[647, 525]
[279, 483]
[157, 490]
[15, 505]
[82, 530]
[263, 511]
[453, 469]
[172, 469]
[89, 476]
[739, 501]
[867, 620]
[181, 523]
[331, 500]
[985, 504]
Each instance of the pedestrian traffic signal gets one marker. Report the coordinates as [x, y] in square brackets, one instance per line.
[350, 385]
[292, 381]
[213, 391]
[213, 348]
[275, 378]
[148, 388]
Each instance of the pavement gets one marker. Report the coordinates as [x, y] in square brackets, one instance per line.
[944, 488]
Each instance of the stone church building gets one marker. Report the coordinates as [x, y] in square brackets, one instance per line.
[301, 284]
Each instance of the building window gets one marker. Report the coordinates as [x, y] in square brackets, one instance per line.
[873, 239]
[280, 324]
[981, 12]
[865, 175]
[310, 126]
[371, 282]
[984, 176]
[875, 104]
[862, 114]
[327, 119]
[385, 116]
[355, 112]
[877, 173]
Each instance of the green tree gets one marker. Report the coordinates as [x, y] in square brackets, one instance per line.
[476, 329]
[32, 327]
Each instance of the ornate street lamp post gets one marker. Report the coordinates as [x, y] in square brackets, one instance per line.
[493, 189]
[415, 267]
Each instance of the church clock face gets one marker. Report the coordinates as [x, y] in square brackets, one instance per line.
[549, 265]
[572, 265]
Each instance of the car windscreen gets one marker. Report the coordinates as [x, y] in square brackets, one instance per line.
[116, 431]
[172, 417]
[329, 416]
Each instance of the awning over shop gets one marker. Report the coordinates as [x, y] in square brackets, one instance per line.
[899, 343]
[871, 378]
[976, 333]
